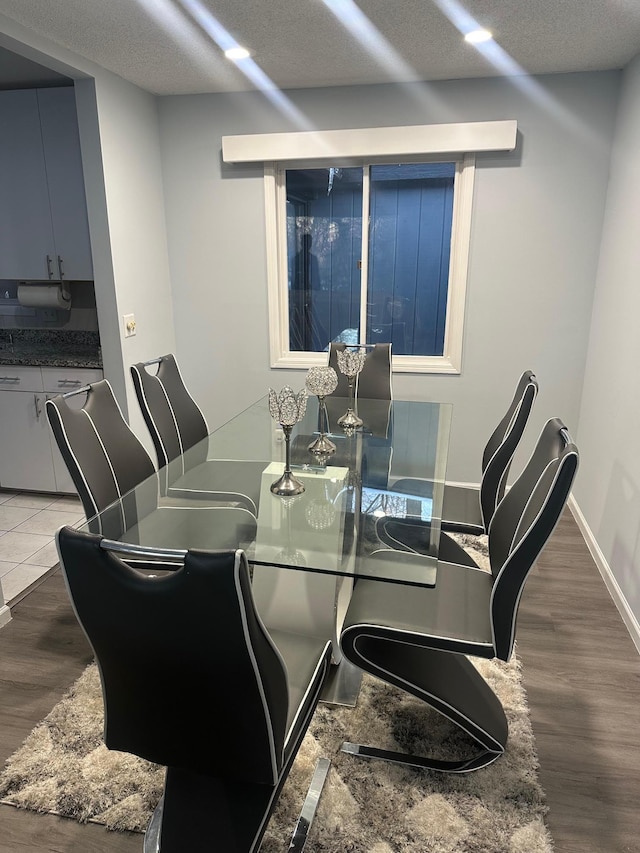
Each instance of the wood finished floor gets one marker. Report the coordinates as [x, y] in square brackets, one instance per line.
[582, 676]
[581, 670]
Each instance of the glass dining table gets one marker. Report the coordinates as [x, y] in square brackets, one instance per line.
[306, 551]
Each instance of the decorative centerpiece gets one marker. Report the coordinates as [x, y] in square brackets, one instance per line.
[322, 381]
[350, 363]
[287, 408]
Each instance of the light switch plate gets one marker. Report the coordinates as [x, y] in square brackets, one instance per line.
[129, 321]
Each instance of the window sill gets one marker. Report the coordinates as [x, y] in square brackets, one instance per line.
[400, 363]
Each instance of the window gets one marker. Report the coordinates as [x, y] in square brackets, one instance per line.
[400, 279]
[400, 293]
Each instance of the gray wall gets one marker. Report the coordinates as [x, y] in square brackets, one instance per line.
[608, 490]
[121, 159]
[535, 237]
[121, 155]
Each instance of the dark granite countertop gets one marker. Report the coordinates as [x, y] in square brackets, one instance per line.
[50, 348]
[45, 357]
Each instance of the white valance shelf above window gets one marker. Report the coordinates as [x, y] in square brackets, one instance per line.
[371, 142]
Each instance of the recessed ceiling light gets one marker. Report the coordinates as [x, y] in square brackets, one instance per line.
[478, 36]
[237, 53]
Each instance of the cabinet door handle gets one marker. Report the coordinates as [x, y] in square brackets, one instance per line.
[64, 383]
[49, 267]
[61, 267]
[9, 379]
[38, 405]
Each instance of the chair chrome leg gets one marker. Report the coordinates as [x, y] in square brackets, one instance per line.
[298, 839]
[464, 765]
[448, 682]
[152, 832]
[301, 832]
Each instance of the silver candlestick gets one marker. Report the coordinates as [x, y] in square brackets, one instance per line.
[322, 381]
[350, 363]
[287, 408]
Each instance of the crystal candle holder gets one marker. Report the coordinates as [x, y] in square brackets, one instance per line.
[322, 381]
[350, 363]
[287, 408]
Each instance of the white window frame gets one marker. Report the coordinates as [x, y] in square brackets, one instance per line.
[457, 143]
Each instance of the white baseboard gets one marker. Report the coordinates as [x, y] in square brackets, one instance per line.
[628, 617]
[5, 615]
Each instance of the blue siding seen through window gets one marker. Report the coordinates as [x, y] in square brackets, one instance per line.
[411, 209]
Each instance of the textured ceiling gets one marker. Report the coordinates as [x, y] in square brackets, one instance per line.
[158, 45]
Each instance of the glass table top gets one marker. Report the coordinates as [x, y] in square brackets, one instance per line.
[217, 494]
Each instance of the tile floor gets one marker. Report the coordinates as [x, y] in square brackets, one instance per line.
[28, 522]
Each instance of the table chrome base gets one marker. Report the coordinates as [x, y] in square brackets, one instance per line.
[342, 685]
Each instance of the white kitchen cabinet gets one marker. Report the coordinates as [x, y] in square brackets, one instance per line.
[44, 232]
[26, 232]
[65, 180]
[25, 444]
[29, 456]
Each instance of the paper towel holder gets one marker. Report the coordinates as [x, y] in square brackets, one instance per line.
[44, 294]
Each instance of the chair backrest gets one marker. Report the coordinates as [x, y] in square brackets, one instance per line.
[104, 457]
[190, 676]
[374, 381]
[522, 524]
[501, 447]
[342, 388]
[173, 417]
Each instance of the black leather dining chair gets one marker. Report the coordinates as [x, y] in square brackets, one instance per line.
[418, 638]
[106, 461]
[193, 680]
[173, 417]
[467, 509]
[104, 457]
[178, 429]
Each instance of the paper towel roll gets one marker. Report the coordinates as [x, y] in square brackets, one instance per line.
[44, 296]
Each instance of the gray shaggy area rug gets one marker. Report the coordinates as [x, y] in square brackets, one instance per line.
[64, 768]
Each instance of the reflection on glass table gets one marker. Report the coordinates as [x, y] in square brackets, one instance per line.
[352, 487]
